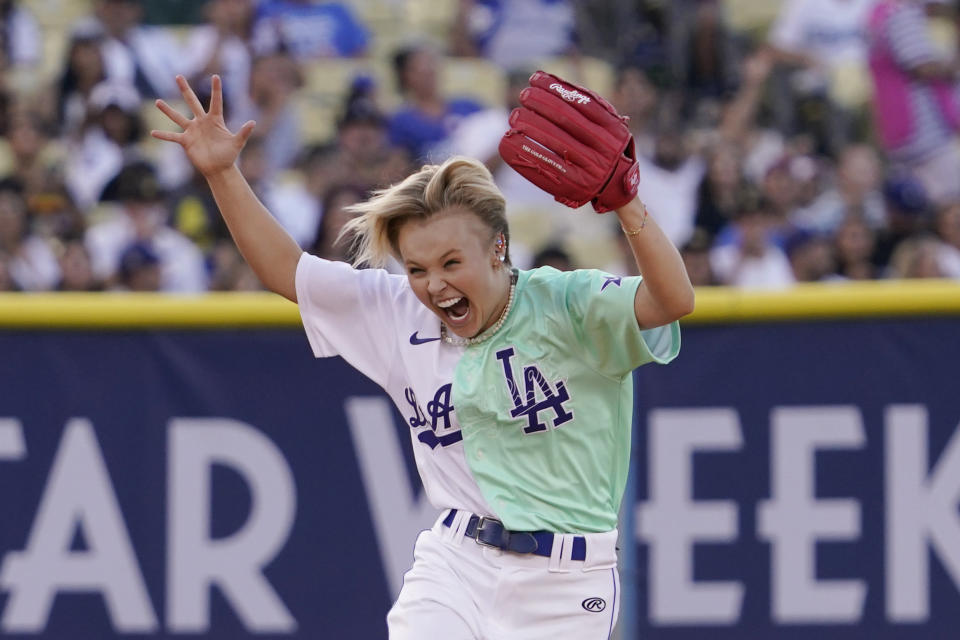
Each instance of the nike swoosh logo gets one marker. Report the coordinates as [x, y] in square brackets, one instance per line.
[415, 340]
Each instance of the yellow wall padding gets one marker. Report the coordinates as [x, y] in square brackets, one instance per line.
[715, 305]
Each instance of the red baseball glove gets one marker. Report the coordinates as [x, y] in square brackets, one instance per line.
[573, 144]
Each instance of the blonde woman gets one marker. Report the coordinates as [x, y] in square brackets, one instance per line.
[516, 384]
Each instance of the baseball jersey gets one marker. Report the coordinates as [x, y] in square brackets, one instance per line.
[531, 426]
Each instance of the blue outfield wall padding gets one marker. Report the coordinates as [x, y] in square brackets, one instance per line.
[801, 480]
[790, 480]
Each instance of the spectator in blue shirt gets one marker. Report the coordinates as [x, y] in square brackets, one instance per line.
[427, 118]
[514, 33]
[308, 30]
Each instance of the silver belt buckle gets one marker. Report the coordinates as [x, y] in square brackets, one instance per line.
[476, 534]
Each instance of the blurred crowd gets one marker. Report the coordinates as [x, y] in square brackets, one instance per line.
[779, 142]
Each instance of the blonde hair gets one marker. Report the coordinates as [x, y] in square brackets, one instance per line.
[916, 257]
[458, 184]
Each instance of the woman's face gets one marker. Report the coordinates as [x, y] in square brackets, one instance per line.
[453, 266]
[117, 125]
[780, 188]
[636, 95]
[6, 280]
[948, 224]
[860, 170]
[86, 62]
[363, 140]
[854, 240]
[753, 226]
[421, 72]
[335, 216]
[230, 16]
[12, 220]
[923, 263]
[26, 139]
[273, 79]
[75, 267]
[724, 168]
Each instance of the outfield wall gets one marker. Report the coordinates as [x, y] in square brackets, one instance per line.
[183, 466]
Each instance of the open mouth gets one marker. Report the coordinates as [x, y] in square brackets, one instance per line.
[455, 309]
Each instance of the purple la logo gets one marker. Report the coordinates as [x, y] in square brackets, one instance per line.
[538, 395]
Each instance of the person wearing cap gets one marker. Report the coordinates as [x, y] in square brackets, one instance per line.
[119, 95]
[111, 137]
[364, 150]
[140, 216]
[30, 262]
[427, 118]
[139, 268]
[811, 255]
[909, 214]
[752, 259]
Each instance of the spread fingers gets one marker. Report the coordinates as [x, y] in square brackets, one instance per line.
[178, 118]
[190, 97]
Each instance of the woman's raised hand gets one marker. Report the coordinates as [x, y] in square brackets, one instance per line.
[208, 143]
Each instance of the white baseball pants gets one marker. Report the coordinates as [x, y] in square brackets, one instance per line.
[460, 590]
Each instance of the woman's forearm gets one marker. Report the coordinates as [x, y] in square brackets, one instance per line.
[264, 244]
[665, 293]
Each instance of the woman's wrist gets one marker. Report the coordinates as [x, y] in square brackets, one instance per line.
[633, 217]
[221, 174]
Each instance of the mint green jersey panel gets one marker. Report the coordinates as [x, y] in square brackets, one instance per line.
[546, 404]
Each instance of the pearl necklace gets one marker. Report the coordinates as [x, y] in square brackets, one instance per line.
[485, 335]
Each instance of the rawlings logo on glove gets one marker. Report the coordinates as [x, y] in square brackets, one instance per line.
[573, 144]
[569, 95]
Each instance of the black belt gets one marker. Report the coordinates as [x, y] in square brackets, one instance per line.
[491, 533]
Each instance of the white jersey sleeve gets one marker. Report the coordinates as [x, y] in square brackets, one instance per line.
[374, 321]
[349, 312]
